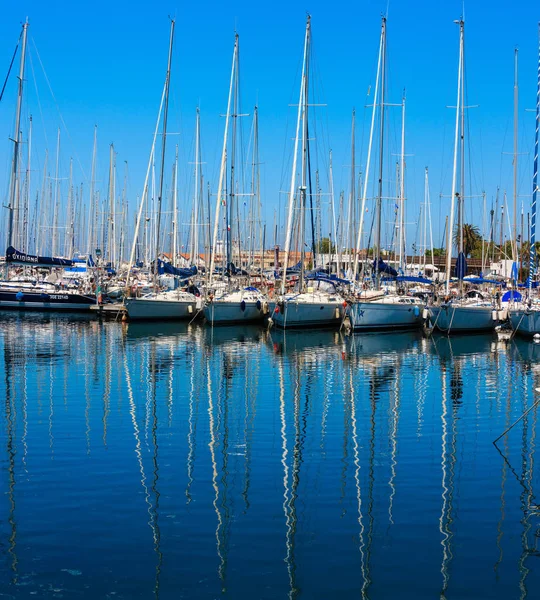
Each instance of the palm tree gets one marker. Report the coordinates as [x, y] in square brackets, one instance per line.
[471, 237]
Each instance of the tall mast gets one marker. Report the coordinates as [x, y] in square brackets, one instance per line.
[43, 199]
[333, 216]
[14, 183]
[381, 158]
[175, 209]
[370, 146]
[255, 190]
[454, 172]
[532, 268]
[111, 250]
[304, 172]
[195, 232]
[163, 146]
[56, 192]
[352, 197]
[402, 189]
[223, 163]
[26, 231]
[92, 211]
[516, 97]
[292, 191]
[68, 249]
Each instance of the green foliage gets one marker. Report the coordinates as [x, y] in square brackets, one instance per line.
[436, 252]
[325, 246]
[471, 238]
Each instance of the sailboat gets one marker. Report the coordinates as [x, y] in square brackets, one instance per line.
[28, 292]
[374, 309]
[460, 315]
[525, 316]
[162, 304]
[231, 302]
[315, 302]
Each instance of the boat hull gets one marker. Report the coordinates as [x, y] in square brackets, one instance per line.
[293, 314]
[462, 319]
[373, 316]
[227, 313]
[525, 322]
[147, 309]
[44, 301]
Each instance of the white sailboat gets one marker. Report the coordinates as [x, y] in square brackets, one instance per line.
[525, 316]
[462, 315]
[231, 303]
[315, 303]
[169, 304]
[375, 310]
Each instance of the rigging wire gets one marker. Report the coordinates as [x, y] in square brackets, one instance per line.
[10, 67]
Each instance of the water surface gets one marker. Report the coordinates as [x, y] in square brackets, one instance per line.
[176, 461]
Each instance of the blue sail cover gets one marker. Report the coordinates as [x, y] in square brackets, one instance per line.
[20, 258]
[382, 267]
[167, 268]
[323, 276]
[461, 266]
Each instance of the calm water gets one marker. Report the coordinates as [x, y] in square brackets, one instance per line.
[170, 461]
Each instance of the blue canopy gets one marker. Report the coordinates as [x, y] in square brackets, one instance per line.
[382, 267]
[322, 276]
[167, 268]
[413, 279]
[511, 295]
[481, 280]
[461, 266]
[20, 258]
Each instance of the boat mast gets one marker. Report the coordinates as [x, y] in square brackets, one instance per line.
[43, 198]
[196, 200]
[223, 163]
[516, 97]
[532, 267]
[56, 192]
[461, 24]
[370, 146]
[295, 158]
[92, 211]
[26, 229]
[402, 190]
[333, 218]
[144, 197]
[14, 183]
[68, 249]
[175, 210]
[163, 145]
[352, 197]
[111, 250]
[304, 172]
[381, 160]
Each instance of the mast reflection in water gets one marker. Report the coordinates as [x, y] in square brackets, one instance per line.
[169, 461]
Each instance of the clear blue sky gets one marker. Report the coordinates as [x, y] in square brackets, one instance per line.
[106, 63]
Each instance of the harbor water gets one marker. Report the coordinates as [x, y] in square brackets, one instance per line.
[184, 461]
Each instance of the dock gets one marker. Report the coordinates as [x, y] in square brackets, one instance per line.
[115, 311]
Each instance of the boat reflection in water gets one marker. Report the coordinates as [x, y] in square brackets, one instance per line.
[244, 463]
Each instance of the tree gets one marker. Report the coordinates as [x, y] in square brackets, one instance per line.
[326, 246]
[436, 252]
[471, 238]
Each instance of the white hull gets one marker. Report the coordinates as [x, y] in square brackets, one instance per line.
[525, 321]
[158, 309]
[305, 313]
[223, 312]
[371, 316]
[462, 318]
